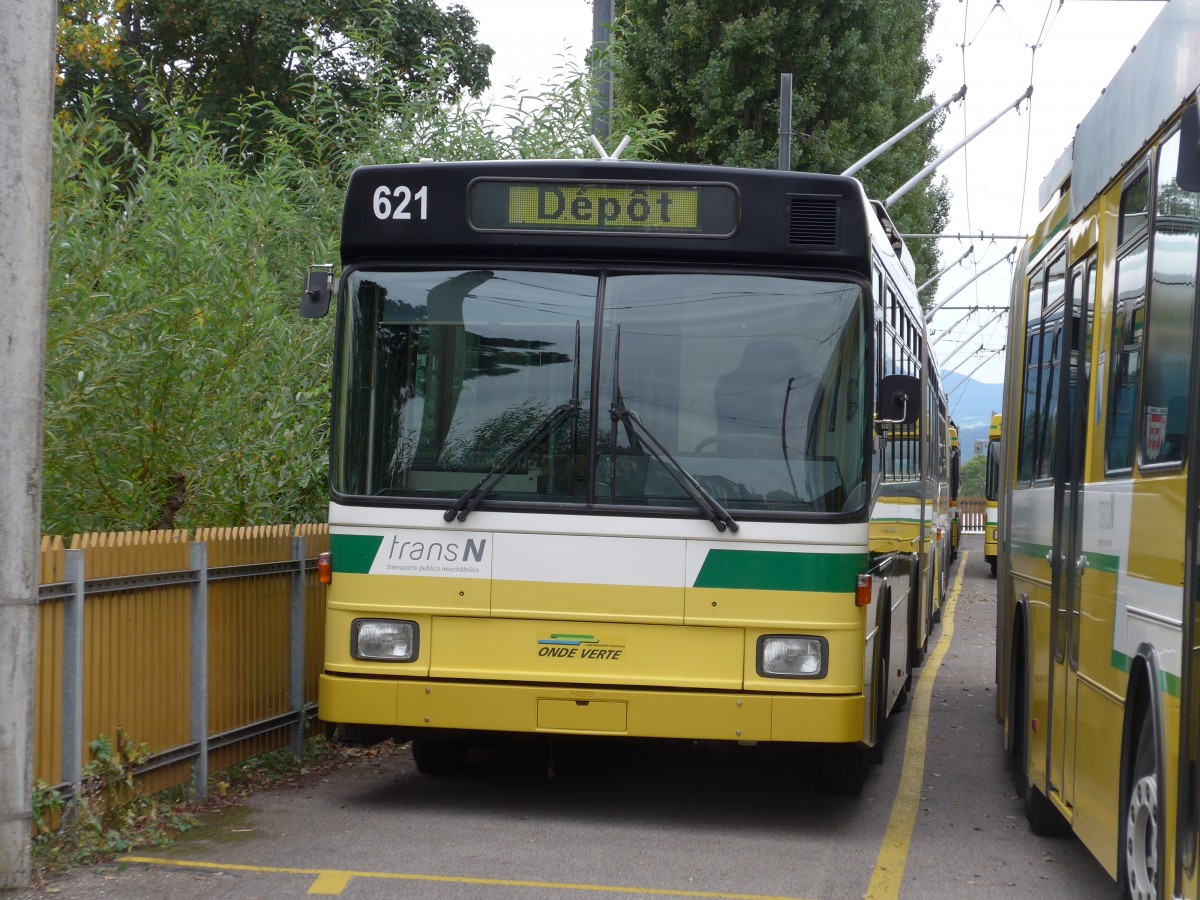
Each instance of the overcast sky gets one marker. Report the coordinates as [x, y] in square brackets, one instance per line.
[1079, 46]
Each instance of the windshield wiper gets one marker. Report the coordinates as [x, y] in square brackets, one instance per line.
[705, 502]
[464, 505]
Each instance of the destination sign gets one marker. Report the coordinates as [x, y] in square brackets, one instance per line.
[603, 208]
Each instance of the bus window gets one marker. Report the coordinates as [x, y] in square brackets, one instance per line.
[1135, 206]
[1027, 447]
[1053, 343]
[750, 396]
[1126, 356]
[1054, 346]
[445, 372]
[1169, 324]
[991, 485]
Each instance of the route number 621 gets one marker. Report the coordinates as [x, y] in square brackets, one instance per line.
[393, 203]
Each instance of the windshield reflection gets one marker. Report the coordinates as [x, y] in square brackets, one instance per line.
[753, 384]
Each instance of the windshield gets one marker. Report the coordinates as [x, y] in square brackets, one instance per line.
[754, 386]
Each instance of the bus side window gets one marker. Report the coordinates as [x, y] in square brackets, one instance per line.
[1027, 426]
[1054, 343]
[1128, 327]
[1169, 319]
[1129, 312]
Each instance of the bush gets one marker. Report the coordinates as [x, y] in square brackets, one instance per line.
[182, 388]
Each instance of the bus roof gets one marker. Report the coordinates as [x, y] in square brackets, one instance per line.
[1157, 77]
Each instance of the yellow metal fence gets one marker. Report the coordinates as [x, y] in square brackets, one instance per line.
[206, 647]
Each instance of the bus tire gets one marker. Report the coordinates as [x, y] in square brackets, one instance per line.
[992, 561]
[1043, 816]
[881, 694]
[902, 697]
[844, 769]
[916, 621]
[1141, 820]
[439, 756]
[1018, 714]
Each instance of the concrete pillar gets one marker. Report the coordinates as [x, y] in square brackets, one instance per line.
[26, 111]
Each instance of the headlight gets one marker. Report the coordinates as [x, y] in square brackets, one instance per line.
[791, 656]
[383, 639]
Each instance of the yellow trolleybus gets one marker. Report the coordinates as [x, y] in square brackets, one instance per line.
[991, 494]
[955, 480]
[1097, 595]
[626, 449]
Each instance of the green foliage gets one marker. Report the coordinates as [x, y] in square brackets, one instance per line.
[215, 55]
[859, 76]
[178, 380]
[182, 388]
[275, 767]
[111, 815]
[973, 474]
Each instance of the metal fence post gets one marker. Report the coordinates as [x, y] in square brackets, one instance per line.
[72, 674]
[297, 645]
[198, 562]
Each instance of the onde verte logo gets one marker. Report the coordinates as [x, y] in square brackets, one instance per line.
[578, 646]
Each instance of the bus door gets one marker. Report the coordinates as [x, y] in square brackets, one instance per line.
[1071, 361]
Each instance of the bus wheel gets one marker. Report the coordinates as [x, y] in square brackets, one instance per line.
[993, 563]
[917, 624]
[439, 756]
[844, 769]
[1141, 823]
[902, 697]
[881, 709]
[1044, 818]
[1018, 714]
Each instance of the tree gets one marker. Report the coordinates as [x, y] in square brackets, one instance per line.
[859, 76]
[182, 387]
[215, 55]
[972, 475]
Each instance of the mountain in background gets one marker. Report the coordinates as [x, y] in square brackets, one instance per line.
[971, 406]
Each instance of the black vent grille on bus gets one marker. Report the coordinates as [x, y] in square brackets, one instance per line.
[813, 221]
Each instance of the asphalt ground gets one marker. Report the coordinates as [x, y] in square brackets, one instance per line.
[938, 817]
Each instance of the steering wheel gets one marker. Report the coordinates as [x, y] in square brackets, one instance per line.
[749, 443]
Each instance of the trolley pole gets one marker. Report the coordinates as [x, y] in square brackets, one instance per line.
[953, 353]
[785, 122]
[602, 97]
[924, 173]
[909, 129]
[929, 313]
[970, 250]
[26, 106]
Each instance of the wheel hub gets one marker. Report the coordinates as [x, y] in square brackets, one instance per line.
[1141, 839]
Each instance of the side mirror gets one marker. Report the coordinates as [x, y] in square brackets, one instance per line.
[1188, 172]
[318, 288]
[899, 400]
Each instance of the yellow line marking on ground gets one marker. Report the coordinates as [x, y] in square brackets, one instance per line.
[328, 879]
[330, 883]
[893, 854]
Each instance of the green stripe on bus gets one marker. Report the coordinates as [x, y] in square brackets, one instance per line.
[354, 553]
[1028, 548]
[771, 570]
[1100, 562]
[1167, 682]
[1103, 562]
[1058, 228]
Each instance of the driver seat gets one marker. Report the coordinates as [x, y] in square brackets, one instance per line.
[750, 400]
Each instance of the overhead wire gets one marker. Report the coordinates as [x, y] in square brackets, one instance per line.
[1043, 34]
[1048, 21]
